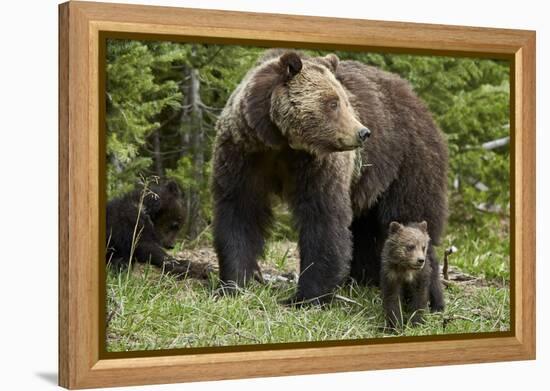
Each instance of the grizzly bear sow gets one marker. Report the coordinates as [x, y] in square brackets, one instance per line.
[407, 272]
[299, 127]
[152, 226]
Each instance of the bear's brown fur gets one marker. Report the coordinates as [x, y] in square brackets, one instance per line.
[406, 272]
[294, 126]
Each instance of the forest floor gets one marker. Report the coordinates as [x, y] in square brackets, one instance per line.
[148, 310]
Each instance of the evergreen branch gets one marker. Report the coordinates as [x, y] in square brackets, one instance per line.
[170, 152]
[207, 62]
[212, 115]
[210, 108]
[170, 119]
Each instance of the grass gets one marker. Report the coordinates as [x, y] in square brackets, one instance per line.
[483, 248]
[147, 310]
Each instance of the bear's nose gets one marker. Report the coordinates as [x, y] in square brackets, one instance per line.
[420, 261]
[363, 134]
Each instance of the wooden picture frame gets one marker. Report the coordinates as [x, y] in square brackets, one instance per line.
[82, 25]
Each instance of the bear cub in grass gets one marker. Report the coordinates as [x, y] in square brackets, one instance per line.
[406, 272]
[153, 226]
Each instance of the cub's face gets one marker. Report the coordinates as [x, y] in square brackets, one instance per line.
[313, 112]
[408, 245]
[170, 214]
[169, 223]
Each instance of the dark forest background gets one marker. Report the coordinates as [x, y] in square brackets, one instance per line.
[163, 100]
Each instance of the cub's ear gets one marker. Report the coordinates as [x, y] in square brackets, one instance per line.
[423, 226]
[291, 63]
[395, 227]
[256, 101]
[152, 201]
[332, 61]
[173, 188]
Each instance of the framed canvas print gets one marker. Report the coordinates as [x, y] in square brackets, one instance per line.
[247, 195]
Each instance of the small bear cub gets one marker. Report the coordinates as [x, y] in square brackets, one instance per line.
[405, 272]
[154, 226]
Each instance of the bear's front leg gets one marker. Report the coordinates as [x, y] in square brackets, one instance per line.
[242, 214]
[419, 300]
[149, 251]
[391, 288]
[322, 210]
[239, 239]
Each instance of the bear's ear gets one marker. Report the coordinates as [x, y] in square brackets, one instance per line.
[395, 227]
[291, 63]
[172, 187]
[332, 62]
[152, 200]
[423, 226]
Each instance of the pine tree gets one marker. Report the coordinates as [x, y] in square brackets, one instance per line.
[135, 99]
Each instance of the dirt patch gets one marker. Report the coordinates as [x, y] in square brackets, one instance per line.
[458, 277]
[281, 263]
[205, 257]
[199, 255]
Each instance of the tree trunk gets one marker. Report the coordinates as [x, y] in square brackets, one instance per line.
[185, 113]
[192, 146]
[197, 141]
[157, 155]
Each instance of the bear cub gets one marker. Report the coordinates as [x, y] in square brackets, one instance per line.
[406, 272]
[154, 226]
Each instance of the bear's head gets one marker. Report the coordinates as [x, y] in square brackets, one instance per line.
[407, 245]
[297, 100]
[165, 208]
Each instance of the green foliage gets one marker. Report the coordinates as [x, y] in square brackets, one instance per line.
[163, 100]
[182, 174]
[135, 98]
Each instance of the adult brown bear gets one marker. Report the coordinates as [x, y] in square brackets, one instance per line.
[297, 126]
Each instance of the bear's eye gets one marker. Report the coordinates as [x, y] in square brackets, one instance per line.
[333, 104]
[423, 248]
[175, 226]
[410, 247]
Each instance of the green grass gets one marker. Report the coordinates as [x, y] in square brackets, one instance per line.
[483, 248]
[148, 310]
